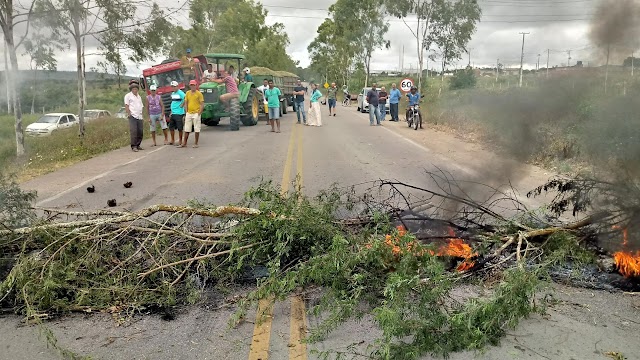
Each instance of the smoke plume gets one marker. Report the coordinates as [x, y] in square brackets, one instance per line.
[616, 26]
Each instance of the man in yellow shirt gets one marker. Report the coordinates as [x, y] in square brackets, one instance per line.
[187, 65]
[194, 105]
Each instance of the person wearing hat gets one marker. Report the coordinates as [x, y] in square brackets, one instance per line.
[194, 104]
[247, 75]
[176, 119]
[155, 108]
[187, 65]
[133, 106]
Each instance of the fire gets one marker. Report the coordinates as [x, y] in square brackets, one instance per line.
[456, 247]
[627, 263]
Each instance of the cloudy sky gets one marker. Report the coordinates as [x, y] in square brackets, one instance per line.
[558, 25]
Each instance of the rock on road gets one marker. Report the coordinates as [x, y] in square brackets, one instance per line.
[346, 150]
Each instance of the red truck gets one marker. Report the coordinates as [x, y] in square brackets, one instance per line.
[163, 74]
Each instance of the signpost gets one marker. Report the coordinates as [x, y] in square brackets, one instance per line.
[406, 84]
[326, 85]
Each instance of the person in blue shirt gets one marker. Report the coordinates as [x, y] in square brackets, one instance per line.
[414, 99]
[394, 102]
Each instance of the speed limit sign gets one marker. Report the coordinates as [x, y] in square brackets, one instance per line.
[406, 85]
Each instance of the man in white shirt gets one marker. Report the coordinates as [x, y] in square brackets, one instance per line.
[133, 106]
[209, 74]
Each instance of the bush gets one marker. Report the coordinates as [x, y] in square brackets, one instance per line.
[464, 79]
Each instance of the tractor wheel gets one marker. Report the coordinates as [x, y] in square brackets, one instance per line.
[251, 109]
[281, 112]
[285, 104]
[235, 115]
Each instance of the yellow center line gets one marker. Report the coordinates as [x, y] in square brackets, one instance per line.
[264, 317]
[262, 331]
[297, 321]
[298, 329]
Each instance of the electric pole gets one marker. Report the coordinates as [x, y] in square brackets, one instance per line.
[569, 59]
[538, 64]
[548, 55]
[497, 69]
[632, 65]
[469, 52]
[522, 57]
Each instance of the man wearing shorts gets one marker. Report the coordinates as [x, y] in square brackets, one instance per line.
[176, 119]
[331, 98]
[156, 114]
[194, 103]
[272, 94]
[230, 84]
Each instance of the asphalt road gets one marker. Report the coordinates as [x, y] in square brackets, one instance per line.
[345, 150]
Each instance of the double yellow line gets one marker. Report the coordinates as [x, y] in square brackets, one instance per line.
[264, 316]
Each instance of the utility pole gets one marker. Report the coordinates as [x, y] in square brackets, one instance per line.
[469, 52]
[522, 57]
[538, 64]
[497, 69]
[632, 65]
[548, 53]
[569, 59]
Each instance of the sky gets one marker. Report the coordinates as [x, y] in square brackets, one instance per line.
[557, 25]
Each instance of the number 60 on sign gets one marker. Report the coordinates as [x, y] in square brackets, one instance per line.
[406, 84]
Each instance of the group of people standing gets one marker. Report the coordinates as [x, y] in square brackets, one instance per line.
[377, 100]
[272, 99]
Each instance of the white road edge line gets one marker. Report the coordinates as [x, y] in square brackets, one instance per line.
[57, 196]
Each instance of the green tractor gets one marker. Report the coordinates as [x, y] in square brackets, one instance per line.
[245, 109]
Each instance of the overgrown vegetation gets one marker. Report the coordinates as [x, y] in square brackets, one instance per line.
[363, 263]
[564, 120]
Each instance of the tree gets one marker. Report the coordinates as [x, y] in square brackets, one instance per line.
[112, 22]
[362, 27]
[11, 15]
[452, 25]
[232, 27]
[423, 11]
[331, 53]
[41, 51]
[463, 79]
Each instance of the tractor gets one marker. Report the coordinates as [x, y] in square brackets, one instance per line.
[245, 109]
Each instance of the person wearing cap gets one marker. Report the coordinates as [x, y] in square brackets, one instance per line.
[247, 75]
[194, 103]
[155, 109]
[187, 65]
[176, 119]
[133, 106]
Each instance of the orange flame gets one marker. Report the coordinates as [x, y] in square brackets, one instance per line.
[626, 262]
[456, 248]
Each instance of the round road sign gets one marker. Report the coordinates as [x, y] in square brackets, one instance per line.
[406, 84]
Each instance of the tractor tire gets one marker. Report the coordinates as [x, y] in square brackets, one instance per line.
[281, 112]
[285, 105]
[251, 109]
[235, 115]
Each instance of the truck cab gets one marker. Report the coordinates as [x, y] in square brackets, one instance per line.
[163, 74]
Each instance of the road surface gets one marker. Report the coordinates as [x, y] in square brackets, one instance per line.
[345, 150]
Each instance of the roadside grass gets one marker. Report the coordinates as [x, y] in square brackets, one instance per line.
[63, 148]
[566, 123]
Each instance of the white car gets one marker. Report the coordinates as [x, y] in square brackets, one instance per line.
[96, 114]
[363, 105]
[122, 113]
[49, 123]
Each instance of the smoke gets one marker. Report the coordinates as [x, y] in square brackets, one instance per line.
[616, 27]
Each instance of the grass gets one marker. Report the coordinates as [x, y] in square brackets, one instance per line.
[61, 149]
[64, 148]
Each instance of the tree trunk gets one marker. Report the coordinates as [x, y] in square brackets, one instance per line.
[6, 79]
[8, 34]
[79, 62]
[33, 91]
[84, 75]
